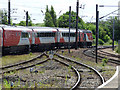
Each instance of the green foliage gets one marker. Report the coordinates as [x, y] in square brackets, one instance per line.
[39, 24]
[22, 23]
[116, 49]
[91, 27]
[106, 38]
[100, 41]
[104, 61]
[53, 15]
[0, 87]
[93, 36]
[3, 16]
[102, 33]
[50, 17]
[105, 27]
[63, 21]
[48, 20]
[110, 41]
[6, 84]
[108, 27]
[30, 53]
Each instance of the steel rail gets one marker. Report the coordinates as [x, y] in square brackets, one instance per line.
[16, 64]
[71, 60]
[77, 72]
[24, 67]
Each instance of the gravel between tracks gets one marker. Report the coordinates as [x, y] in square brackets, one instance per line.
[50, 74]
[106, 71]
[53, 74]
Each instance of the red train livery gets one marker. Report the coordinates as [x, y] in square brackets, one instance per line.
[25, 39]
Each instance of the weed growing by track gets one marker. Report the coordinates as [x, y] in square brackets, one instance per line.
[107, 70]
[12, 59]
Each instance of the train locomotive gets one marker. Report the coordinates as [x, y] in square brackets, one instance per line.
[15, 39]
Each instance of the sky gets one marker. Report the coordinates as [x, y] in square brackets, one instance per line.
[34, 7]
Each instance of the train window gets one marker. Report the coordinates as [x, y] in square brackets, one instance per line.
[16, 33]
[29, 35]
[24, 35]
[84, 37]
[72, 34]
[48, 34]
[63, 34]
[67, 34]
[19, 33]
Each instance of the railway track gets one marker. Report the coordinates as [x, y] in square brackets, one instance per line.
[108, 54]
[102, 54]
[88, 73]
[23, 65]
[84, 73]
[32, 63]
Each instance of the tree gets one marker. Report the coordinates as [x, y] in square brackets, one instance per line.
[47, 10]
[22, 23]
[50, 17]
[29, 21]
[108, 27]
[63, 21]
[53, 15]
[3, 16]
[48, 20]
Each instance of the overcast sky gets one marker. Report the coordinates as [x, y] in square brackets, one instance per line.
[34, 8]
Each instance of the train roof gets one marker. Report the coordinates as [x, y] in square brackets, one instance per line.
[66, 30]
[0, 28]
[73, 30]
[44, 29]
[35, 27]
[16, 28]
[85, 31]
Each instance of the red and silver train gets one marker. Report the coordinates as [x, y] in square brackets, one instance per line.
[24, 39]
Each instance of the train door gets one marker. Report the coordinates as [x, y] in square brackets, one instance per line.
[33, 36]
[58, 36]
[79, 38]
[1, 41]
[84, 37]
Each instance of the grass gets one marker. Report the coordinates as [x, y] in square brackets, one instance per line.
[12, 59]
[6, 84]
[98, 65]
[0, 87]
[105, 44]
[116, 49]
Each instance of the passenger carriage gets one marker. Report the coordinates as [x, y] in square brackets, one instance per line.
[23, 39]
[44, 38]
[64, 37]
[88, 39]
[16, 39]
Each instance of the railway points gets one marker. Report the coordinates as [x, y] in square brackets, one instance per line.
[113, 83]
[62, 60]
[49, 65]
